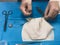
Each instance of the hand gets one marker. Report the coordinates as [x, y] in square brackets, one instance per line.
[26, 7]
[52, 10]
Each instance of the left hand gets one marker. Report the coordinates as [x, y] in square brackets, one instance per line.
[26, 7]
[52, 10]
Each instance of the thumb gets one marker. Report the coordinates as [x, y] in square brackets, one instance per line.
[47, 11]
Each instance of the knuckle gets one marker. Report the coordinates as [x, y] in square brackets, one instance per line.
[55, 8]
[50, 16]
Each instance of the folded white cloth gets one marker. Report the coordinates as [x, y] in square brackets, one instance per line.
[36, 29]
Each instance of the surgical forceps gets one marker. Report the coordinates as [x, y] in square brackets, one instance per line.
[6, 13]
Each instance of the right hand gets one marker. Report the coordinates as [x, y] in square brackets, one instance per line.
[52, 10]
[26, 7]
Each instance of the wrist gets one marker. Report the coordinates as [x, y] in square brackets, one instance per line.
[54, 0]
[27, 1]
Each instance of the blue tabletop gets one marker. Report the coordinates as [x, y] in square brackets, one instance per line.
[17, 19]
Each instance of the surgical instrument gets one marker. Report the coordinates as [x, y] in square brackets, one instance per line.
[6, 13]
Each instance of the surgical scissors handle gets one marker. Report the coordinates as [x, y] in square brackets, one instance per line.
[6, 13]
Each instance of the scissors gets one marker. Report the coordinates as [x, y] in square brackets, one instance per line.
[6, 13]
[42, 13]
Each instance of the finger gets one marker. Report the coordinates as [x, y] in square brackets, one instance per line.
[29, 8]
[54, 14]
[24, 11]
[47, 10]
[49, 14]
